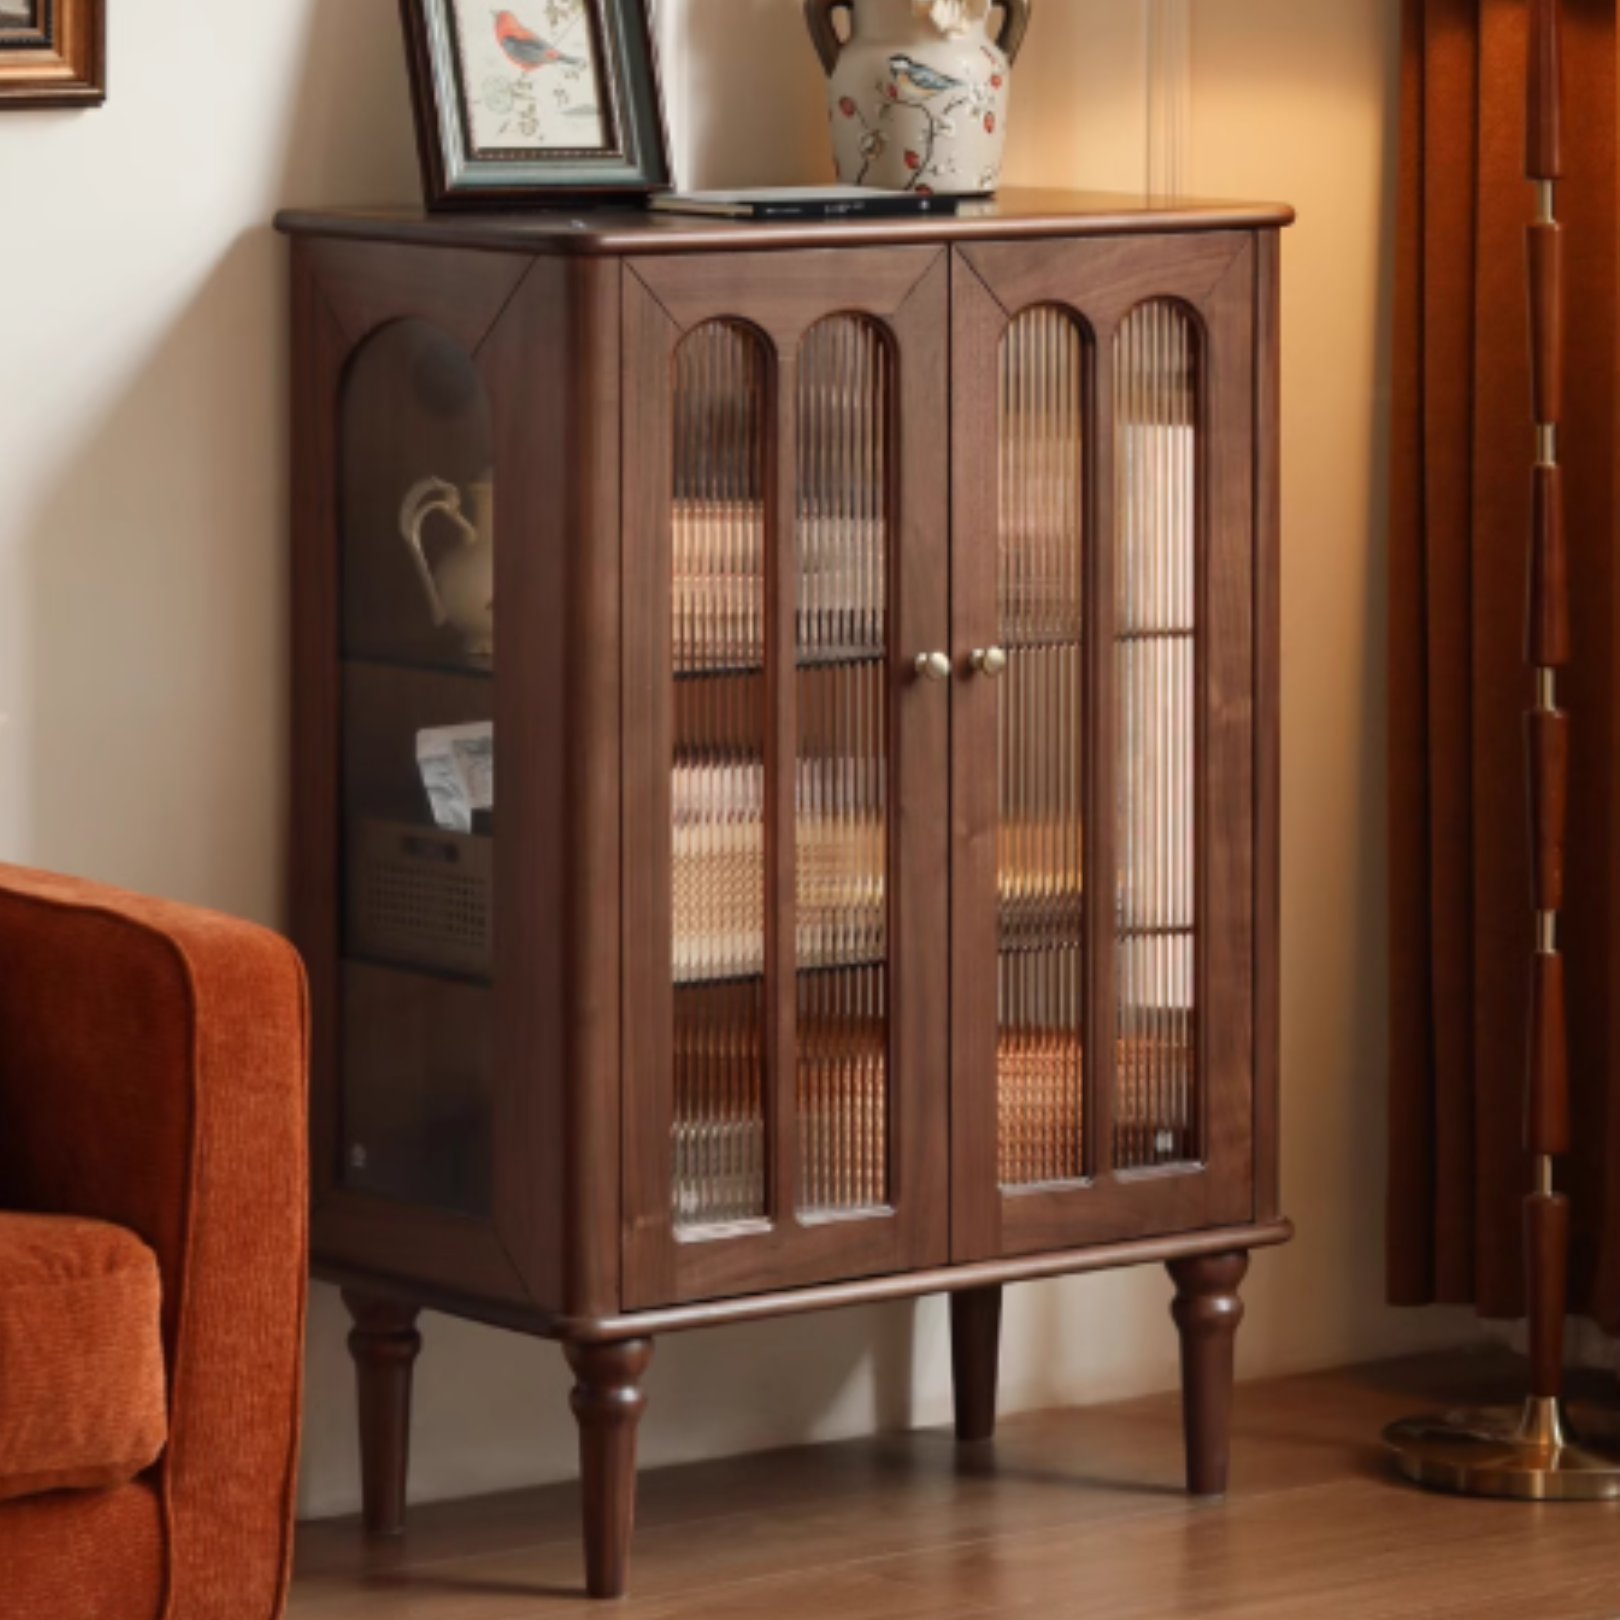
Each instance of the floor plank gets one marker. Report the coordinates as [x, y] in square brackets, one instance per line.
[1074, 1513]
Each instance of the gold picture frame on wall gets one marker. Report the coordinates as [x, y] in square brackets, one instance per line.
[53, 53]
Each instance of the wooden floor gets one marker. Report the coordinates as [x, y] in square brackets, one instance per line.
[1074, 1514]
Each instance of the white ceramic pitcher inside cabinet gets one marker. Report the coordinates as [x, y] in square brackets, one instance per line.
[460, 588]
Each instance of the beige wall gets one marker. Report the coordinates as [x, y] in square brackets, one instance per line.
[141, 599]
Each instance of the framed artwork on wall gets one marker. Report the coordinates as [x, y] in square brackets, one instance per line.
[529, 102]
[53, 53]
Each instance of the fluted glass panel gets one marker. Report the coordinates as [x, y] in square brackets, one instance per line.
[718, 798]
[719, 1120]
[841, 826]
[842, 822]
[720, 426]
[719, 815]
[1041, 738]
[843, 1090]
[1156, 387]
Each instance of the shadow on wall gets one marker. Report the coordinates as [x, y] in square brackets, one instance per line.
[351, 138]
[155, 589]
[155, 565]
[754, 97]
[491, 1409]
[1365, 1126]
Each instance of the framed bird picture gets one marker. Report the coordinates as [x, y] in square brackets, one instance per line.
[53, 53]
[530, 102]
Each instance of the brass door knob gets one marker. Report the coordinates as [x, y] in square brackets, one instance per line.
[934, 666]
[991, 661]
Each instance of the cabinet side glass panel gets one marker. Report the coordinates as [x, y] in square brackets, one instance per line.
[845, 384]
[1156, 407]
[721, 417]
[1044, 372]
[418, 810]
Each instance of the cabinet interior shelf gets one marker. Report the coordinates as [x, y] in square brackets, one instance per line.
[449, 667]
[719, 672]
[1045, 945]
[804, 665]
[807, 970]
[421, 970]
[1035, 643]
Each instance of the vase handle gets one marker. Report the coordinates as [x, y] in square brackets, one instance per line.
[1014, 29]
[430, 496]
[819, 15]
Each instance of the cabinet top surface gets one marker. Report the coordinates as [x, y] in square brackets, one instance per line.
[621, 230]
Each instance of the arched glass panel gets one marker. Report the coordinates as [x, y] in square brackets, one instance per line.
[417, 509]
[1156, 406]
[721, 412]
[845, 383]
[1045, 366]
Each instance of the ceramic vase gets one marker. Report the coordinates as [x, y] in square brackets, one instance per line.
[918, 93]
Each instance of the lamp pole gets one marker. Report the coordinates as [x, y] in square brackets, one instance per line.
[1535, 1452]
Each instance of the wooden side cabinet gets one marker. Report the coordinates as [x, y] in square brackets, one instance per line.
[876, 628]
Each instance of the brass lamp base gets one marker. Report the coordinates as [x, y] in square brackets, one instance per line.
[1530, 1454]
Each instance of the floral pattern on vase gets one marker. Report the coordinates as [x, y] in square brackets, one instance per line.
[919, 92]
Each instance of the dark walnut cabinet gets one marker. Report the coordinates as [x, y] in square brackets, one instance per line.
[876, 629]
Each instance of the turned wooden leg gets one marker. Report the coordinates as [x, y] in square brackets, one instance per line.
[1208, 1312]
[976, 1361]
[608, 1404]
[385, 1345]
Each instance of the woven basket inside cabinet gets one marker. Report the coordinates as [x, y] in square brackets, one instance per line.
[421, 897]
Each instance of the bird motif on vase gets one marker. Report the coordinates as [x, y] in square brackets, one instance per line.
[920, 79]
[526, 49]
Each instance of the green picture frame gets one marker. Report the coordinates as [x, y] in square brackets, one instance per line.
[525, 103]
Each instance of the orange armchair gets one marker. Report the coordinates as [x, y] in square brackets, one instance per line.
[153, 1250]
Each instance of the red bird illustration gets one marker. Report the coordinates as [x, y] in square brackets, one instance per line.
[526, 48]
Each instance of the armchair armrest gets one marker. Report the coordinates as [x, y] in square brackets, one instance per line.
[153, 1073]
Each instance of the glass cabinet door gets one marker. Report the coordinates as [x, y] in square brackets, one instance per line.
[781, 1115]
[1102, 568]
[417, 521]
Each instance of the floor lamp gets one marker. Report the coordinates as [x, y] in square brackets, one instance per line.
[1537, 1452]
